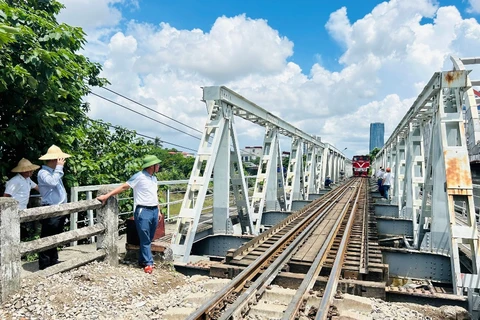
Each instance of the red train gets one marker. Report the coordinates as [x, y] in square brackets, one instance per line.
[360, 164]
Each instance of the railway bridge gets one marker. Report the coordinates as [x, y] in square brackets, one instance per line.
[427, 230]
[420, 245]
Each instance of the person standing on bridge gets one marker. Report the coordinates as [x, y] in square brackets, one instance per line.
[53, 193]
[146, 214]
[379, 174]
[19, 188]
[20, 185]
[386, 182]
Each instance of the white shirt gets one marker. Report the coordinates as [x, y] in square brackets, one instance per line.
[19, 188]
[379, 174]
[387, 179]
[51, 186]
[144, 189]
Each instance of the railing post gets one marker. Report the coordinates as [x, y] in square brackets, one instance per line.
[91, 222]
[168, 203]
[108, 216]
[73, 216]
[10, 247]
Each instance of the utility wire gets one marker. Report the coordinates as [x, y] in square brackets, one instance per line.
[140, 134]
[143, 115]
[153, 110]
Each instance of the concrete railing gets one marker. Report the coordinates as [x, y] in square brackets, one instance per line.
[11, 249]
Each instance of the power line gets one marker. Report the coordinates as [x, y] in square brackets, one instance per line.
[140, 134]
[143, 115]
[153, 110]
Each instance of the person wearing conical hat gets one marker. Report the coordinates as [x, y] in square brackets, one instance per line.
[146, 213]
[53, 192]
[20, 185]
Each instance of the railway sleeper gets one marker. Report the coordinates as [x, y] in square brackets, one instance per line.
[356, 287]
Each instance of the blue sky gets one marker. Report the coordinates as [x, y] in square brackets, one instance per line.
[329, 68]
[303, 22]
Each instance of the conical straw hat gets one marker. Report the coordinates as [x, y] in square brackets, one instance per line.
[54, 152]
[24, 165]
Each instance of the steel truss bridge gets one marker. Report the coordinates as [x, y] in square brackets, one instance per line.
[219, 155]
[430, 153]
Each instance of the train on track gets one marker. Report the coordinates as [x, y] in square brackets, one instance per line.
[361, 166]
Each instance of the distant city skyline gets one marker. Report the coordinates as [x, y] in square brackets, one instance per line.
[377, 135]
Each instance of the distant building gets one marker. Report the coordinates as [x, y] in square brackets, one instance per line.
[285, 154]
[183, 153]
[250, 154]
[377, 133]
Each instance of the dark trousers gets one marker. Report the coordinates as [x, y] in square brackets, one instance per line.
[380, 187]
[50, 227]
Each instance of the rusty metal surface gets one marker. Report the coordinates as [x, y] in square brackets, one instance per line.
[458, 172]
[454, 78]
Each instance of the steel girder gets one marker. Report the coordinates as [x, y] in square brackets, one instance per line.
[414, 177]
[325, 169]
[215, 155]
[472, 122]
[309, 175]
[319, 171]
[399, 170]
[269, 191]
[294, 183]
[434, 126]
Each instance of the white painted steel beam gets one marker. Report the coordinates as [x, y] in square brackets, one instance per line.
[437, 169]
[309, 175]
[399, 171]
[266, 189]
[248, 110]
[472, 121]
[294, 181]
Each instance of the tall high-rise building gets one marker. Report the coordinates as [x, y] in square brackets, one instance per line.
[377, 132]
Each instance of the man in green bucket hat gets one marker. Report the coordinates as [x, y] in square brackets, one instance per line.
[145, 199]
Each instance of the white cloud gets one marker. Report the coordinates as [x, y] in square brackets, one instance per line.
[233, 48]
[474, 6]
[90, 14]
[388, 57]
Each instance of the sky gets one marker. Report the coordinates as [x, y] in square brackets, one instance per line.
[330, 68]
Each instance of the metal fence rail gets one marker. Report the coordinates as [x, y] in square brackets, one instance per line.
[90, 192]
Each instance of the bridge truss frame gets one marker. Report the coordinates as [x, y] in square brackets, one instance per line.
[429, 155]
[219, 152]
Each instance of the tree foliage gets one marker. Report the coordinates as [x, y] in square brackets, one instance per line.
[103, 154]
[42, 80]
[373, 154]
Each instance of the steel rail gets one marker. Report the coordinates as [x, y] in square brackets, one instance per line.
[237, 283]
[316, 267]
[332, 282]
[265, 279]
[364, 251]
[285, 222]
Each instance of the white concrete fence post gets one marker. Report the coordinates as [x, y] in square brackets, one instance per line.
[108, 216]
[10, 259]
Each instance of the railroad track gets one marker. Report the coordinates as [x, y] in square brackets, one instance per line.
[318, 233]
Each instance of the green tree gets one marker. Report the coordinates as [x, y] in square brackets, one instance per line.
[42, 80]
[105, 154]
[7, 34]
[373, 154]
